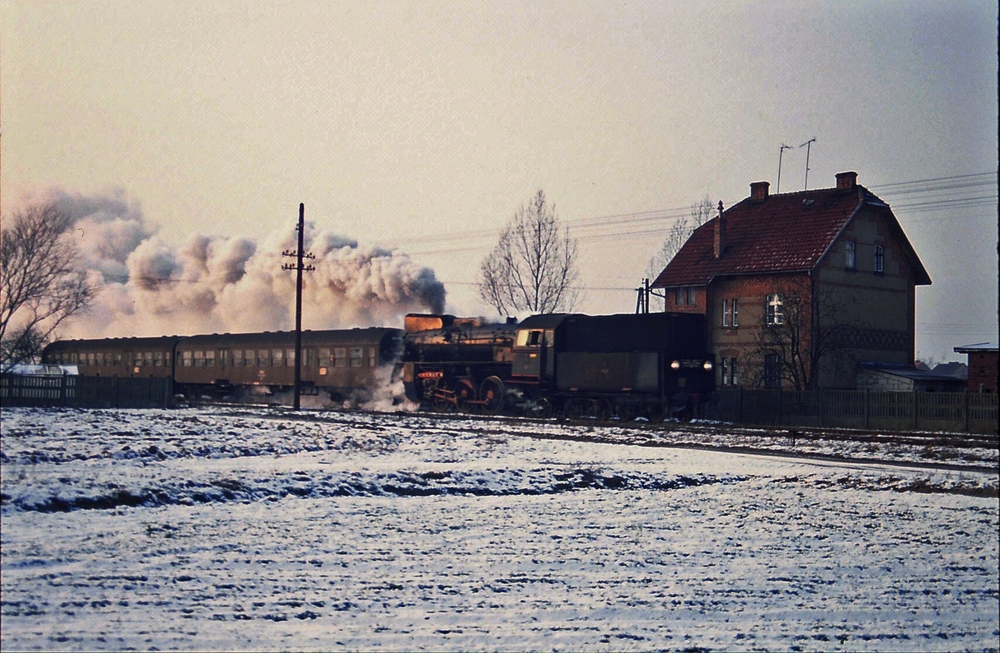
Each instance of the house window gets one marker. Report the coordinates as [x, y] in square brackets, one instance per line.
[772, 371]
[726, 317]
[734, 377]
[730, 312]
[684, 296]
[773, 314]
[851, 255]
[679, 296]
[879, 259]
[725, 371]
[691, 296]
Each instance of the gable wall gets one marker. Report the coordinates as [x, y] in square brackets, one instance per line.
[880, 306]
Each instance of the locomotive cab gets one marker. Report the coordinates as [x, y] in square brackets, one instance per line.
[534, 354]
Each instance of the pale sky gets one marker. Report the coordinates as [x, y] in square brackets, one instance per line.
[424, 125]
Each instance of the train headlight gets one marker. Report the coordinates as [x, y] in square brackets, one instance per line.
[708, 366]
[675, 365]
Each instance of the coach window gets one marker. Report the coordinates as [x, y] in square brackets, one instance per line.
[357, 357]
[158, 359]
[237, 358]
[100, 358]
[278, 357]
[372, 357]
[289, 358]
[223, 357]
[340, 357]
[118, 358]
[199, 358]
[251, 357]
[210, 358]
[263, 358]
[324, 357]
[147, 358]
[308, 356]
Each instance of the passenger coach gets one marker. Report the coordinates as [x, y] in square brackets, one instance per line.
[340, 363]
[121, 357]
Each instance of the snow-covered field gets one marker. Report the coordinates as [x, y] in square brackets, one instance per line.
[261, 529]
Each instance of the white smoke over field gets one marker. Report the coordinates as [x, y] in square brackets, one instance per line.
[219, 284]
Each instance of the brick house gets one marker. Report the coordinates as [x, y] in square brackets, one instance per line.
[800, 287]
[984, 366]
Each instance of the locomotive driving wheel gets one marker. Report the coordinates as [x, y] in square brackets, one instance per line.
[465, 395]
[491, 394]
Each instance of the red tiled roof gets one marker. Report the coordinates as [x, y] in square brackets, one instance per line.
[782, 233]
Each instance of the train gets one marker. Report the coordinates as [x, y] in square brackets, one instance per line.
[652, 365]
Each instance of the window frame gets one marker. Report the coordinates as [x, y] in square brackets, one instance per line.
[774, 313]
[879, 259]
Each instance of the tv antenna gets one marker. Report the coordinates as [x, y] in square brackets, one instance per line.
[780, 152]
[808, 146]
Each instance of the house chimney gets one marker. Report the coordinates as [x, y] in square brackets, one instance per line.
[847, 180]
[758, 191]
[720, 233]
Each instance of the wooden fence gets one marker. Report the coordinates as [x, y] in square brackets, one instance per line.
[863, 409]
[85, 391]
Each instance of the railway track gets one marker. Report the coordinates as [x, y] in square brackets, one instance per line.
[942, 451]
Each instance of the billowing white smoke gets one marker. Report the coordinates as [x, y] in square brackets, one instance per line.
[218, 284]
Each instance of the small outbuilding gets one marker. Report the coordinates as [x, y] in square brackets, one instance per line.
[984, 366]
[904, 378]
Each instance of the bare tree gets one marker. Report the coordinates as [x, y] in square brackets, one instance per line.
[798, 333]
[680, 231]
[701, 212]
[42, 283]
[533, 265]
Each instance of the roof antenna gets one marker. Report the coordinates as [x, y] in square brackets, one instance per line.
[808, 146]
[780, 152]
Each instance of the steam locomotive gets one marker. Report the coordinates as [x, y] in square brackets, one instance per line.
[579, 365]
[650, 365]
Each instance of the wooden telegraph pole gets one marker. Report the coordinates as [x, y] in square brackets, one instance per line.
[299, 268]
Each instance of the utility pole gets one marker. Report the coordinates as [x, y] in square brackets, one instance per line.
[299, 269]
[642, 297]
[781, 151]
[808, 146]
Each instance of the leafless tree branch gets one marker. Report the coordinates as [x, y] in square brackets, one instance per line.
[533, 265]
[42, 283]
